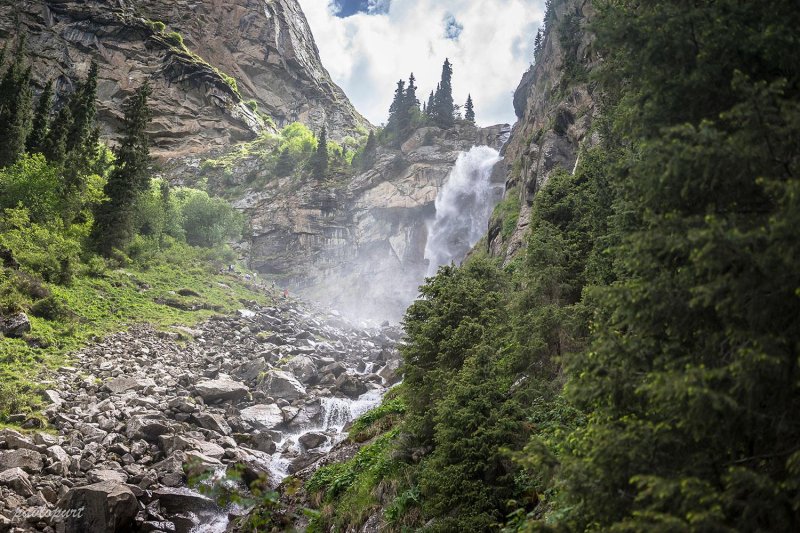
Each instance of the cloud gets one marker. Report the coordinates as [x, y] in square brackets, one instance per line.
[490, 47]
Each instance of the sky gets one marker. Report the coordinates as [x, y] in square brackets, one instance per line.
[367, 45]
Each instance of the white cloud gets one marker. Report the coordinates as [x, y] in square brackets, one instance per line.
[367, 53]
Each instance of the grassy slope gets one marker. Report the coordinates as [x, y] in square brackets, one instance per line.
[108, 303]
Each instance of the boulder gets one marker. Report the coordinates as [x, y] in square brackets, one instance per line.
[336, 368]
[312, 439]
[17, 480]
[28, 460]
[303, 368]
[224, 388]
[125, 383]
[213, 422]
[280, 384]
[15, 325]
[305, 460]
[99, 508]
[147, 427]
[390, 372]
[263, 416]
[103, 474]
[350, 386]
[263, 442]
[180, 500]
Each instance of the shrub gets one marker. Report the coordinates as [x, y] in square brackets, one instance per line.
[208, 221]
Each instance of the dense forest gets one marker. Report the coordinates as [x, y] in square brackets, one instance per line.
[637, 368]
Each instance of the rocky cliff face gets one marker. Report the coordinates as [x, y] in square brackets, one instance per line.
[555, 104]
[204, 59]
[358, 244]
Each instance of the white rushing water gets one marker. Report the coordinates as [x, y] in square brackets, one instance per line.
[463, 208]
[335, 413]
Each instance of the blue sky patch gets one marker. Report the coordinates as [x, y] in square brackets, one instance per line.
[346, 8]
[452, 28]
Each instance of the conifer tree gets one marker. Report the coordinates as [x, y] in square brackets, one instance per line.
[469, 110]
[396, 109]
[444, 97]
[285, 164]
[54, 146]
[319, 163]
[41, 118]
[114, 218]
[83, 109]
[370, 149]
[15, 107]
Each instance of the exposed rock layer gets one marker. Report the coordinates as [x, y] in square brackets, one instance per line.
[555, 108]
[265, 45]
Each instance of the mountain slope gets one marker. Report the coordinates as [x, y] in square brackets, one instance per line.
[204, 60]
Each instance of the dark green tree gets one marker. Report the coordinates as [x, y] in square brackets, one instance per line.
[114, 218]
[469, 110]
[443, 104]
[431, 107]
[370, 149]
[285, 164]
[54, 146]
[41, 119]
[319, 161]
[16, 109]
[397, 108]
[693, 370]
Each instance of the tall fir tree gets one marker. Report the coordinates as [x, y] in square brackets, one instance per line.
[431, 107]
[396, 109]
[444, 97]
[319, 163]
[370, 149]
[469, 110]
[285, 163]
[16, 110]
[114, 218]
[41, 120]
[54, 146]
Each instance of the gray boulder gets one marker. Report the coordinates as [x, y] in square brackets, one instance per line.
[126, 383]
[99, 508]
[313, 439]
[223, 388]
[263, 416]
[17, 480]
[350, 386]
[303, 368]
[147, 427]
[15, 325]
[28, 460]
[213, 422]
[280, 384]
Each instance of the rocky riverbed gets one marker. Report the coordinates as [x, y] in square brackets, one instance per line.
[270, 390]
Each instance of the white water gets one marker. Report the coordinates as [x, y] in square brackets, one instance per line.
[463, 208]
[335, 413]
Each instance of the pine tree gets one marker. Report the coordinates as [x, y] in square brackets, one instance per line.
[82, 105]
[285, 164]
[41, 118]
[444, 97]
[430, 109]
[469, 110]
[54, 146]
[15, 107]
[319, 163]
[370, 149]
[396, 109]
[114, 218]
[410, 107]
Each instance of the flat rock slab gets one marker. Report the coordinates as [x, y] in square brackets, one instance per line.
[263, 416]
[125, 383]
[28, 460]
[213, 390]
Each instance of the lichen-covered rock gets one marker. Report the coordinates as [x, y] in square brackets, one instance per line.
[15, 325]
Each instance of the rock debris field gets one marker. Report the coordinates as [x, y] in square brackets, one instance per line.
[270, 390]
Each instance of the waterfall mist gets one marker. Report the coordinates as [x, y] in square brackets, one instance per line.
[463, 208]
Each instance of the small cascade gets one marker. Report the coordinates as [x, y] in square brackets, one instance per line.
[335, 414]
[463, 208]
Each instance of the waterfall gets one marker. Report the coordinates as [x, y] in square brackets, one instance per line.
[463, 208]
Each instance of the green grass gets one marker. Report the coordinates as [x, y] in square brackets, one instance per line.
[110, 302]
[507, 211]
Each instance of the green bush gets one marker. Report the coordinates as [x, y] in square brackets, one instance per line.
[208, 221]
